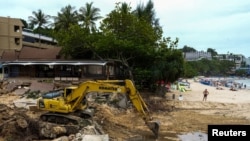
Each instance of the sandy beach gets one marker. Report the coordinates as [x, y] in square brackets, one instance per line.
[191, 115]
[219, 101]
[215, 95]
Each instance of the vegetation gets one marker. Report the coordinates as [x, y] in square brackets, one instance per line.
[39, 22]
[133, 37]
[206, 67]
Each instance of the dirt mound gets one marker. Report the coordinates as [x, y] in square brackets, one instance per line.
[16, 124]
[111, 118]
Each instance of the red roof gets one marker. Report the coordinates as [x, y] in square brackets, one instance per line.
[31, 53]
[9, 55]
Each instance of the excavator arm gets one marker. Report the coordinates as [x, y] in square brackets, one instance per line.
[138, 103]
[142, 108]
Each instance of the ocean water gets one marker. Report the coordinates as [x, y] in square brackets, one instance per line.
[244, 82]
[194, 136]
[240, 80]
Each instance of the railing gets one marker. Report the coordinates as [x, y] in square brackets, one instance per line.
[66, 79]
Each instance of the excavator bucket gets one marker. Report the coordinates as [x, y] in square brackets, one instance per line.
[154, 126]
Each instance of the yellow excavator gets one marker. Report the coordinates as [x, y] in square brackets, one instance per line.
[71, 104]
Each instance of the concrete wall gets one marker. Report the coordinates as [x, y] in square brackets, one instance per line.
[10, 33]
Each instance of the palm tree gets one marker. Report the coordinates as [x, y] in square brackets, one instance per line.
[67, 17]
[89, 15]
[125, 8]
[38, 21]
[147, 13]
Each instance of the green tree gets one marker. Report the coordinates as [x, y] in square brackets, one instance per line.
[208, 68]
[89, 15]
[64, 19]
[188, 49]
[168, 64]
[75, 43]
[25, 24]
[190, 69]
[241, 72]
[38, 21]
[147, 12]
[212, 51]
[226, 66]
[125, 37]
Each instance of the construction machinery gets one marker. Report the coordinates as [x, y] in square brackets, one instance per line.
[71, 104]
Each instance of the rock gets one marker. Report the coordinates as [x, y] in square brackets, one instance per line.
[4, 91]
[95, 137]
[78, 135]
[22, 123]
[47, 126]
[24, 103]
[72, 137]
[59, 130]
[63, 138]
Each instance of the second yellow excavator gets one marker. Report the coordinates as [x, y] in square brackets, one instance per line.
[63, 108]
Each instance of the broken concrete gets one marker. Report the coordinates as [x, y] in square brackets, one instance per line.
[24, 103]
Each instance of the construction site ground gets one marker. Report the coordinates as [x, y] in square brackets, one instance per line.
[176, 118]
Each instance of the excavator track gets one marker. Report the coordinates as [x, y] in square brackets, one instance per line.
[65, 119]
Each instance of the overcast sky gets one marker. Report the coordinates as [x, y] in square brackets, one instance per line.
[218, 24]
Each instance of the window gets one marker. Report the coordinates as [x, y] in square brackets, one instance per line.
[110, 70]
[17, 28]
[95, 69]
[17, 41]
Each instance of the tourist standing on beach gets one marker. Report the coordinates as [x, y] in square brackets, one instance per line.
[205, 93]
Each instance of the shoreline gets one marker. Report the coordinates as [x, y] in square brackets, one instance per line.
[224, 95]
[221, 105]
[235, 82]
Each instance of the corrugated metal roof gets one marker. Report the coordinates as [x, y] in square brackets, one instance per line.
[42, 37]
[72, 62]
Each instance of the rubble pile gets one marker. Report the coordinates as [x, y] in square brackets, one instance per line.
[16, 125]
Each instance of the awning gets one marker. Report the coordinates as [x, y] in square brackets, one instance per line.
[52, 63]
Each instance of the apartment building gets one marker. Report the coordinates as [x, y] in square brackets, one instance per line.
[26, 54]
[10, 34]
[248, 61]
[13, 37]
[195, 56]
[238, 59]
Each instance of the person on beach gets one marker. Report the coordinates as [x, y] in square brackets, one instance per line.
[205, 93]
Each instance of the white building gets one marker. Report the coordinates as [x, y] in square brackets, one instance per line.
[238, 59]
[195, 56]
